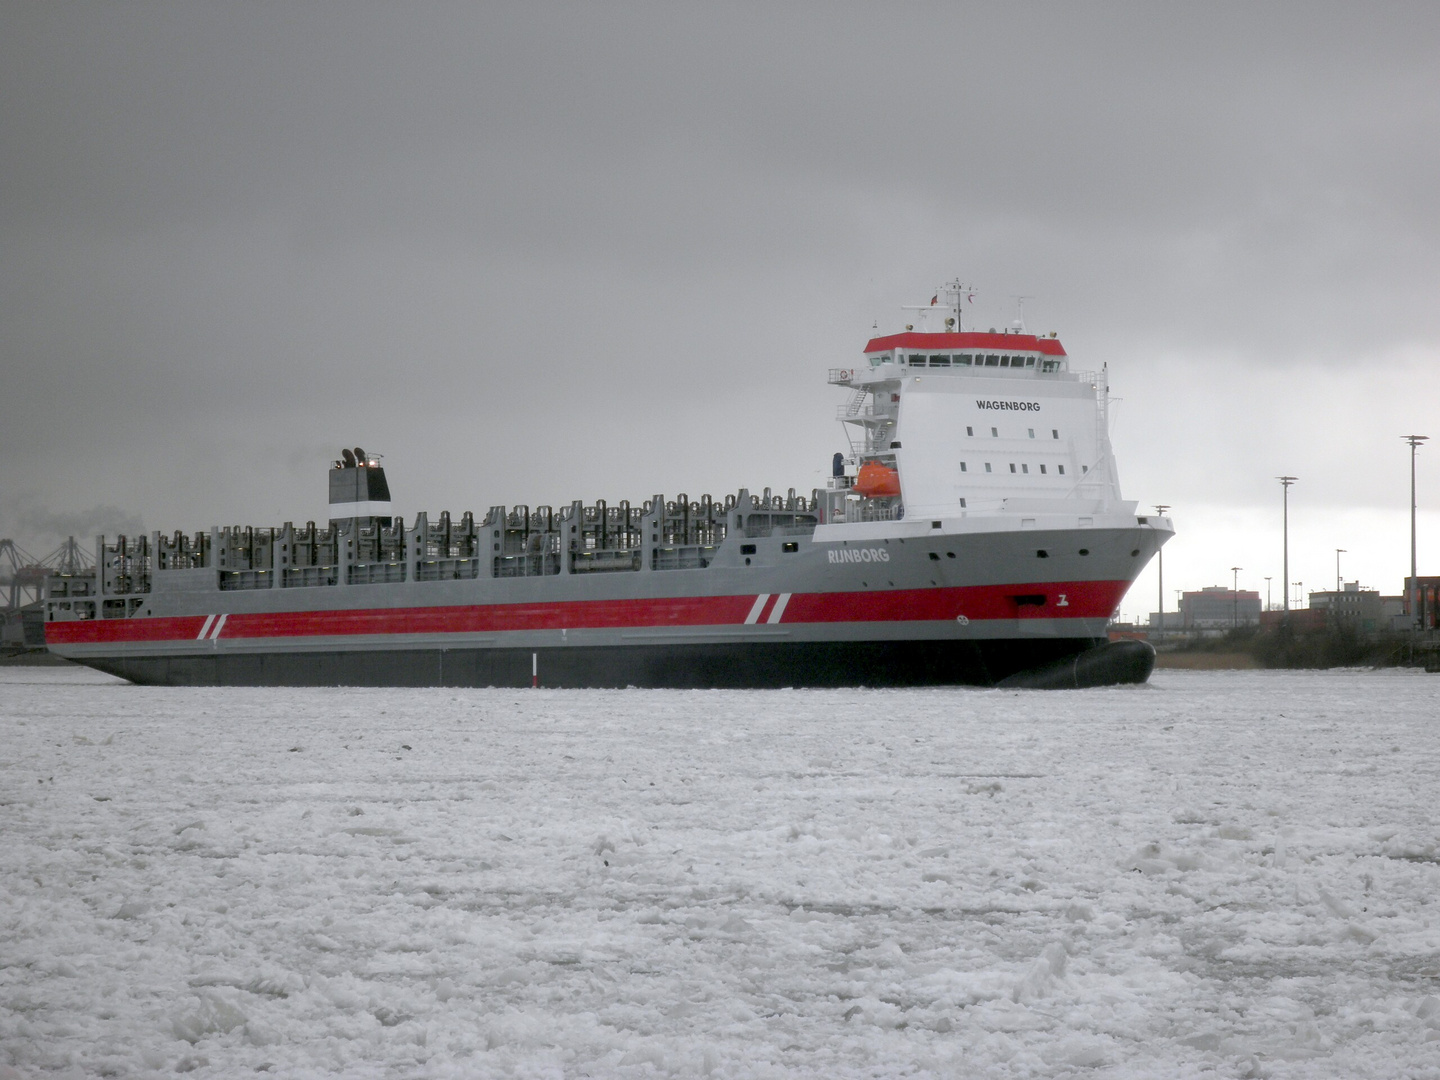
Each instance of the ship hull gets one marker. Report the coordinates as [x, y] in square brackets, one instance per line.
[734, 665]
[916, 607]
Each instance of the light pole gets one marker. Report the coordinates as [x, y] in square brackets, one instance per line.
[1299, 591]
[1235, 596]
[1339, 581]
[1267, 594]
[1285, 482]
[1411, 598]
[1160, 509]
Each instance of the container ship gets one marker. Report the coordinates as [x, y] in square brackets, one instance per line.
[973, 533]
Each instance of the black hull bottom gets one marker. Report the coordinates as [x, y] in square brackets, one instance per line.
[1110, 664]
[711, 666]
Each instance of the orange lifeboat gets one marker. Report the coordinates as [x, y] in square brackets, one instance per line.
[875, 480]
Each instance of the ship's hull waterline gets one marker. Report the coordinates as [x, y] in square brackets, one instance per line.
[735, 665]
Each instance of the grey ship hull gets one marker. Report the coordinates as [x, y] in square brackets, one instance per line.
[919, 606]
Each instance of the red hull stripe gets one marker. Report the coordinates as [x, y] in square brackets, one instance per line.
[1062, 600]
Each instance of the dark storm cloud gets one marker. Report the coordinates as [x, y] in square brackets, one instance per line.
[556, 251]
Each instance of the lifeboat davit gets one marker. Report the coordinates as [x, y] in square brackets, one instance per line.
[875, 480]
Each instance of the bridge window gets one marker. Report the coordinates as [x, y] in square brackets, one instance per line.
[991, 360]
[917, 360]
[962, 359]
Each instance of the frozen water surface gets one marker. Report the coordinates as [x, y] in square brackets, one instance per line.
[1220, 874]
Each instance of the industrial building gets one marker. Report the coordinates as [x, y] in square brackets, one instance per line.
[1218, 608]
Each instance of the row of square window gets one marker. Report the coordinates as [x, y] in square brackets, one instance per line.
[995, 432]
[1059, 469]
[978, 360]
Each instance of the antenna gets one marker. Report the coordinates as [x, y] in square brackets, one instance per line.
[959, 293]
[1020, 311]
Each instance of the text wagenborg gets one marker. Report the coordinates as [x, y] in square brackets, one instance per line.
[1022, 406]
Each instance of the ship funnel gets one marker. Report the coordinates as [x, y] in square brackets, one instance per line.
[358, 490]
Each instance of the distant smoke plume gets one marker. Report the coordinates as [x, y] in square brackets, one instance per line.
[39, 529]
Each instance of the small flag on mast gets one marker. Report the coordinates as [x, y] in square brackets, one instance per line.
[934, 299]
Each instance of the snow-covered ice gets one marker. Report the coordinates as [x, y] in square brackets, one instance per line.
[1218, 874]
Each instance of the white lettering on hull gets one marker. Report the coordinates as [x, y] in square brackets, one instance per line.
[856, 555]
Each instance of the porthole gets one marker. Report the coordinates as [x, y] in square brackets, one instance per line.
[949, 554]
[1042, 554]
[935, 555]
[1134, 553]
[1084, 551]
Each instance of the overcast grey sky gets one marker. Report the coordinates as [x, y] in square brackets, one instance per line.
[538, 252]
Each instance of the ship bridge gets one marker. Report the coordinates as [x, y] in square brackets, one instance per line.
[1005, 352]
[954, 424]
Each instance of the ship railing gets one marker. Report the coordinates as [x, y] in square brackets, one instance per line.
[528, 565]
[780, 522]
[870, 512]
[683, 557]
[300, 577]
[375, 573]
[233, 580]
[447, 570]
[604, 561]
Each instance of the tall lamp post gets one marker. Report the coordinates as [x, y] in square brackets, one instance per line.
[1411, 598]
[1235, 596]
[1160, 509]
[1285, 482]
[1339, 581]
